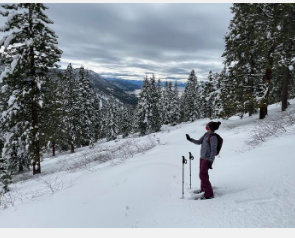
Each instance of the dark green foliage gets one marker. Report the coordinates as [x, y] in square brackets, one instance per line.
[190, 101]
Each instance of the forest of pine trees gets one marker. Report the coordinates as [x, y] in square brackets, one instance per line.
[41, 111]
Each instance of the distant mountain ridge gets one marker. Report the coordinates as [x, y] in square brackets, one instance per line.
[131, 85]
[103, 88]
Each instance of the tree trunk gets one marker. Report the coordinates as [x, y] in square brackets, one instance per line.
[35, 142]
[285, 88]
[251, 84]
[35, 130]
[20, 168]
[263, 111]
[53, 147]
[268, 72]
[72, 148]
[264, 103]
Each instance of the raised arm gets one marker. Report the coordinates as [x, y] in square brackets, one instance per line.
[197, 142]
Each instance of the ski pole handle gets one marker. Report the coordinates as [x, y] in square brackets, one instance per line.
[191, 157]
[184, 161]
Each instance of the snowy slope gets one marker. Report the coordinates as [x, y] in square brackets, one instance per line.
[253, 189]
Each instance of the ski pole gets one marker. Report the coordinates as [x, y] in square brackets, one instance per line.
[191, 157]
[184, 161]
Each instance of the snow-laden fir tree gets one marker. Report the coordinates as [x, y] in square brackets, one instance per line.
[175, 105]
[160, 100]
[259, 51]
[170, 103]
[125, 120]
[51, 116]
[70, 108]
[5, 176]
[243, 61]
[96, 117]
[191, 99]
[31, 48]
[207, 101]
[153, 101]
[167, 103]
[164, 103]
[111, 126]
[143, 109]
[284, 56]
[86, 97]
[221, 97]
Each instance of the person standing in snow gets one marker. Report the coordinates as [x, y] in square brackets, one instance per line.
[208, 144]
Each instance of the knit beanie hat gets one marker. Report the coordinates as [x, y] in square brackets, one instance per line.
[214, 125]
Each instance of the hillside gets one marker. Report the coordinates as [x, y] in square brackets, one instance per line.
[136, 182]
[103, 88]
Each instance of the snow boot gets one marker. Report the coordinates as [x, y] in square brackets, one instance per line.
[204, 198]
[198, 191]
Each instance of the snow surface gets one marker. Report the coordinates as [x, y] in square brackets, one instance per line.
[252, 189]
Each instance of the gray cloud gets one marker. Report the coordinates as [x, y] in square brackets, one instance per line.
[130, 39]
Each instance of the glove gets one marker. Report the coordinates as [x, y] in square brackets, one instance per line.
[210, 165]
[188, 137]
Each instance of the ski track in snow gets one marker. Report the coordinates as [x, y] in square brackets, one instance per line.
[252, 189]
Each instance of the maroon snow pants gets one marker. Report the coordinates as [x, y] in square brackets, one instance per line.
[204, 176]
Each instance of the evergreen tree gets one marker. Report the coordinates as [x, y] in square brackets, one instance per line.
[143, 110]
[221, 97]
[51, 126]
[85, 98]
[125, 121]
[160, 101]
[96, 118]
[259, 52]
[191, 99]
[111, 121]
[5, 176]
[242, 61]
[206, 97]
[166, 103]
[31, 46]
[175, 105]
[284, 56]
[70, 107]
[153, 101]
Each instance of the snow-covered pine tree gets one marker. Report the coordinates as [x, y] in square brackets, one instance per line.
[160, 100]
[268, 15]
[153, 101]
[175, 105]
[70, 107]
[112, 127]
[243, 62]
[143, 109]
[125, 121]
[5, 176]
[222, 103]
[203, 101]
[191, 99]
[92, 108]
[86, 108]
[170, 96]
[165, 103]
[96, 117]
[260, 40]
[32, 47]
[51, 126]
[284, 56]
[14, 123]
[206, 89]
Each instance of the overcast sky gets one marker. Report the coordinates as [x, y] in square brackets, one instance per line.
[128, 40]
